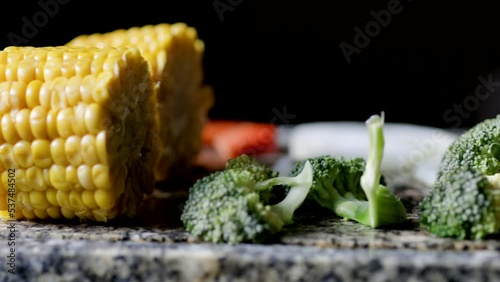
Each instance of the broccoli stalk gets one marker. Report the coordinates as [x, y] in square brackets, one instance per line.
[353, 188]
[228, 206]
[370, 180]
[299, 188]
[383, 206]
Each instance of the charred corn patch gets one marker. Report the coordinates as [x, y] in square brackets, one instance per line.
[175, 54]
[78, 124]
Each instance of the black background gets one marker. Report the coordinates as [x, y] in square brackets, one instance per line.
[264, 59]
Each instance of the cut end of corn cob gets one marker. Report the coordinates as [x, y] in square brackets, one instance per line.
[175, 54]
[80, 128]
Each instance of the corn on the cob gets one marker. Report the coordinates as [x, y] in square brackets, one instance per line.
[79, 126]
[175, 53]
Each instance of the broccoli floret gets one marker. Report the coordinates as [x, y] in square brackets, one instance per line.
[259, 172]
[227, 206]
[464, 201]
[354, 188]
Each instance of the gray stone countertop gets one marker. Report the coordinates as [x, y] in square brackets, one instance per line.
[317, 247]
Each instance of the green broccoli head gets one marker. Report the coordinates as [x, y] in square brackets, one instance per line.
[461, 204]
[332, 178]
[478, 148]
[354, 188]
[226, 206]
[464, 199]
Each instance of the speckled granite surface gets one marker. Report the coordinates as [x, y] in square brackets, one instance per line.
[318, 247]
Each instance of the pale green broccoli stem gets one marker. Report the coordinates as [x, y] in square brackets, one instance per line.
[349, 207]
[299, 188]
[370, 180]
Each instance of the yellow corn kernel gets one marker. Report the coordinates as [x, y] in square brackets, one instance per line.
[85, 177]
[96, 65]
[72, 90]
[26, 71]
[52, 197]
[101, 176]
[17, 97]
[40, 54]
[94, 117]
[14, 56]
[72, 150]
[58, 178]
[39, 70]
[78, 125]
[7, 156]
[52, 68]
[63, 199]
[53, 54]
[68, 67]
[38, 122]
[35, 178]
[29, 214]
[46, 175]
[41, 214]
[65, 119]
[100, 143]
[68, 213]
[9, 132]
[44, 94]
[38, 200]
[4, 98]
[82, 67]
[23, 126]
[101, 92]
[11, 71]
[58, 152]
[88, 199]
[52, 124]
[89, 150]
[22, 199]
[105, 199]
[58, 93]
[21, 181]
[54, 212]
[40, 151]
[72, 177]
[75, 201]
[22, 154]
